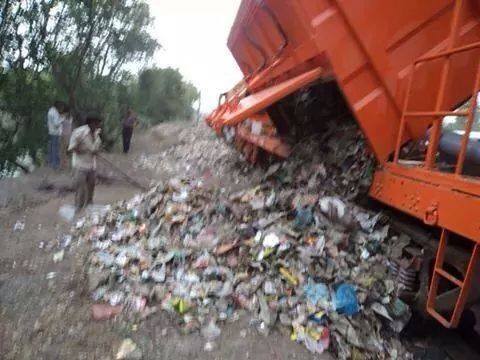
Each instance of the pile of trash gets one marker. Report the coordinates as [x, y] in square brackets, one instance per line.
[288, 251]
[199, 151]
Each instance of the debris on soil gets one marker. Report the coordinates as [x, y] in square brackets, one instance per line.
[292, 251]
[58, 256]
[67, 212]
[128, 351]
[19, 225]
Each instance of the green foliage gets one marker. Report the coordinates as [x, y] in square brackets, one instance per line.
[76, 51]
[21, 95]
[163, 95]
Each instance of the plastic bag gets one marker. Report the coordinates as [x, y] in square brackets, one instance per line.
[316, 292]
[346, 300]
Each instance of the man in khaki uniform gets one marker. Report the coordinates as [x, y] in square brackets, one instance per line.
[85, 143]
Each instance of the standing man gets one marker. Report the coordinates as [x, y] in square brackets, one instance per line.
[85, 143]
[129, 123]
[54, 122]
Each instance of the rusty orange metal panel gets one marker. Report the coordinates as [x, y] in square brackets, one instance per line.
[271, 144]
[463, 184]
[344, 36]
[254, 103]
[437, 203]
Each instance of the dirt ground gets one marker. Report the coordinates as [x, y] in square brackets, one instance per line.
[45, 307]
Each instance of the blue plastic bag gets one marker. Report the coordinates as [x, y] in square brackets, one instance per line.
[316, 292]
[346, 300]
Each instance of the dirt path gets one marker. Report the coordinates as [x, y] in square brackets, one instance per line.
[44, 305]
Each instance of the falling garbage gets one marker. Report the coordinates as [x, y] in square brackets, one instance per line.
[292, 251]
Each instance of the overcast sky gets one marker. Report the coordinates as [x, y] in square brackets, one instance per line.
[194, 35]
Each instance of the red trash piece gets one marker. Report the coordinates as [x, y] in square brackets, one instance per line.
[102, 312]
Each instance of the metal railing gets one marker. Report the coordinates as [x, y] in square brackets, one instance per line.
[438, 114]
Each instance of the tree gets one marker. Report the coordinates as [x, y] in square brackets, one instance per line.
[164, 95]
[74, 50]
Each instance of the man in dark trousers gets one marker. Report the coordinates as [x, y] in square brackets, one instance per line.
[129, 122]
[85, 144]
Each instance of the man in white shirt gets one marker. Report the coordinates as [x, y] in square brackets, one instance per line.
[54, 122]
[85, 143]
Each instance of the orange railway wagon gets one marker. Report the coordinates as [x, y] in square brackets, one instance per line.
[402, 66]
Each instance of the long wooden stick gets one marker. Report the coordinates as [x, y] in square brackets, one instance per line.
[131, 180]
